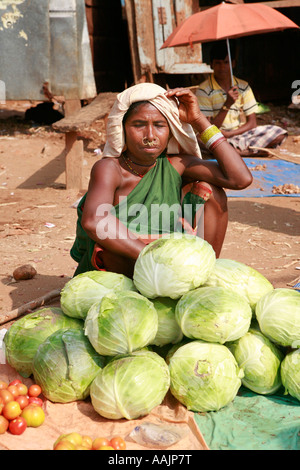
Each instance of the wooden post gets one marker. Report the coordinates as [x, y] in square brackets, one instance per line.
[74, 161]
[71, 107]
[73, 150]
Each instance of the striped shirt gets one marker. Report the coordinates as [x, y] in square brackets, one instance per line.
[211, 97]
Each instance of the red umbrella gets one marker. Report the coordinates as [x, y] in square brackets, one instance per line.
[226, 21]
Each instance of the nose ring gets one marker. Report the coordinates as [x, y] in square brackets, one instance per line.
[150, 143]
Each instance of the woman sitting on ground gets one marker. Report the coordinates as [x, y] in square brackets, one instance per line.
[152, 163]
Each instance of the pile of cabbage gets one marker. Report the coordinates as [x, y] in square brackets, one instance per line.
[187, 323]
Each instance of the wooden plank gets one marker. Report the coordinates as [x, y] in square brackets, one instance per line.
[74, 161]
[145, 36]
[97, 109]
[283, 3]
[271, 3]
[130, 16]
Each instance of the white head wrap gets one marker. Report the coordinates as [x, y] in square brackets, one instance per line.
[183, 134]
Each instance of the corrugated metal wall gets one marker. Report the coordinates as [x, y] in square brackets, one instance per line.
[45, 42]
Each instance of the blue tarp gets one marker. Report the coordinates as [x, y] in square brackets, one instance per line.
[274, 173]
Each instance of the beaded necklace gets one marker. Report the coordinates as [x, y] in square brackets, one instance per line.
[132, 169]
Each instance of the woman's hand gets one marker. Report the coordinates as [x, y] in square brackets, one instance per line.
[189, 110]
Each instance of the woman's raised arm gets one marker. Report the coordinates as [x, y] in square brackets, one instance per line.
[230, 170]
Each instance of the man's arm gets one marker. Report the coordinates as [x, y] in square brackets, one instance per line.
[249, 124]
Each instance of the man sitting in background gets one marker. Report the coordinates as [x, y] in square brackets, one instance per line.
[232, 107]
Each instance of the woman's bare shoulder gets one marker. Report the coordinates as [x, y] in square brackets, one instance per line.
[106, 167]
[107, 162]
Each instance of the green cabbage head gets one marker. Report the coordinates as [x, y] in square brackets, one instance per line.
[290, 373]
[241, 278]
[204, 376]
[214, 314]
[130, 386]
[121, 323]
[173, 265]
[278, 315]
[25, 335]
[260, 360]
[65, 365]
[168, 330]
[79, 294]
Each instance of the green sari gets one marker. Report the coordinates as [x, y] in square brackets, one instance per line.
[154, 207]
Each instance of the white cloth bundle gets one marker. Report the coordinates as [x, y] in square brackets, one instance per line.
[183, 134]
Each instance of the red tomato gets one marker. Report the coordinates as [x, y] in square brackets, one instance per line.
[15, 382]
[34, 415]
[3, 424]
[3, 384]
[13, 390]
[23, 401]
[1, 405]
[118, 443]
[87, 442]
[74, 437]
[22, 389]
[100, 442]
[64, 444]
[35, 401]
[17, 425]
[6, 395]
[11, 410]
[34, 390]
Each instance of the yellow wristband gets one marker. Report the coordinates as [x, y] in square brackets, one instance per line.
[208, 133]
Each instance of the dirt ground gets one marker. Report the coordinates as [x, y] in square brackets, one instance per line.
[38, 218]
